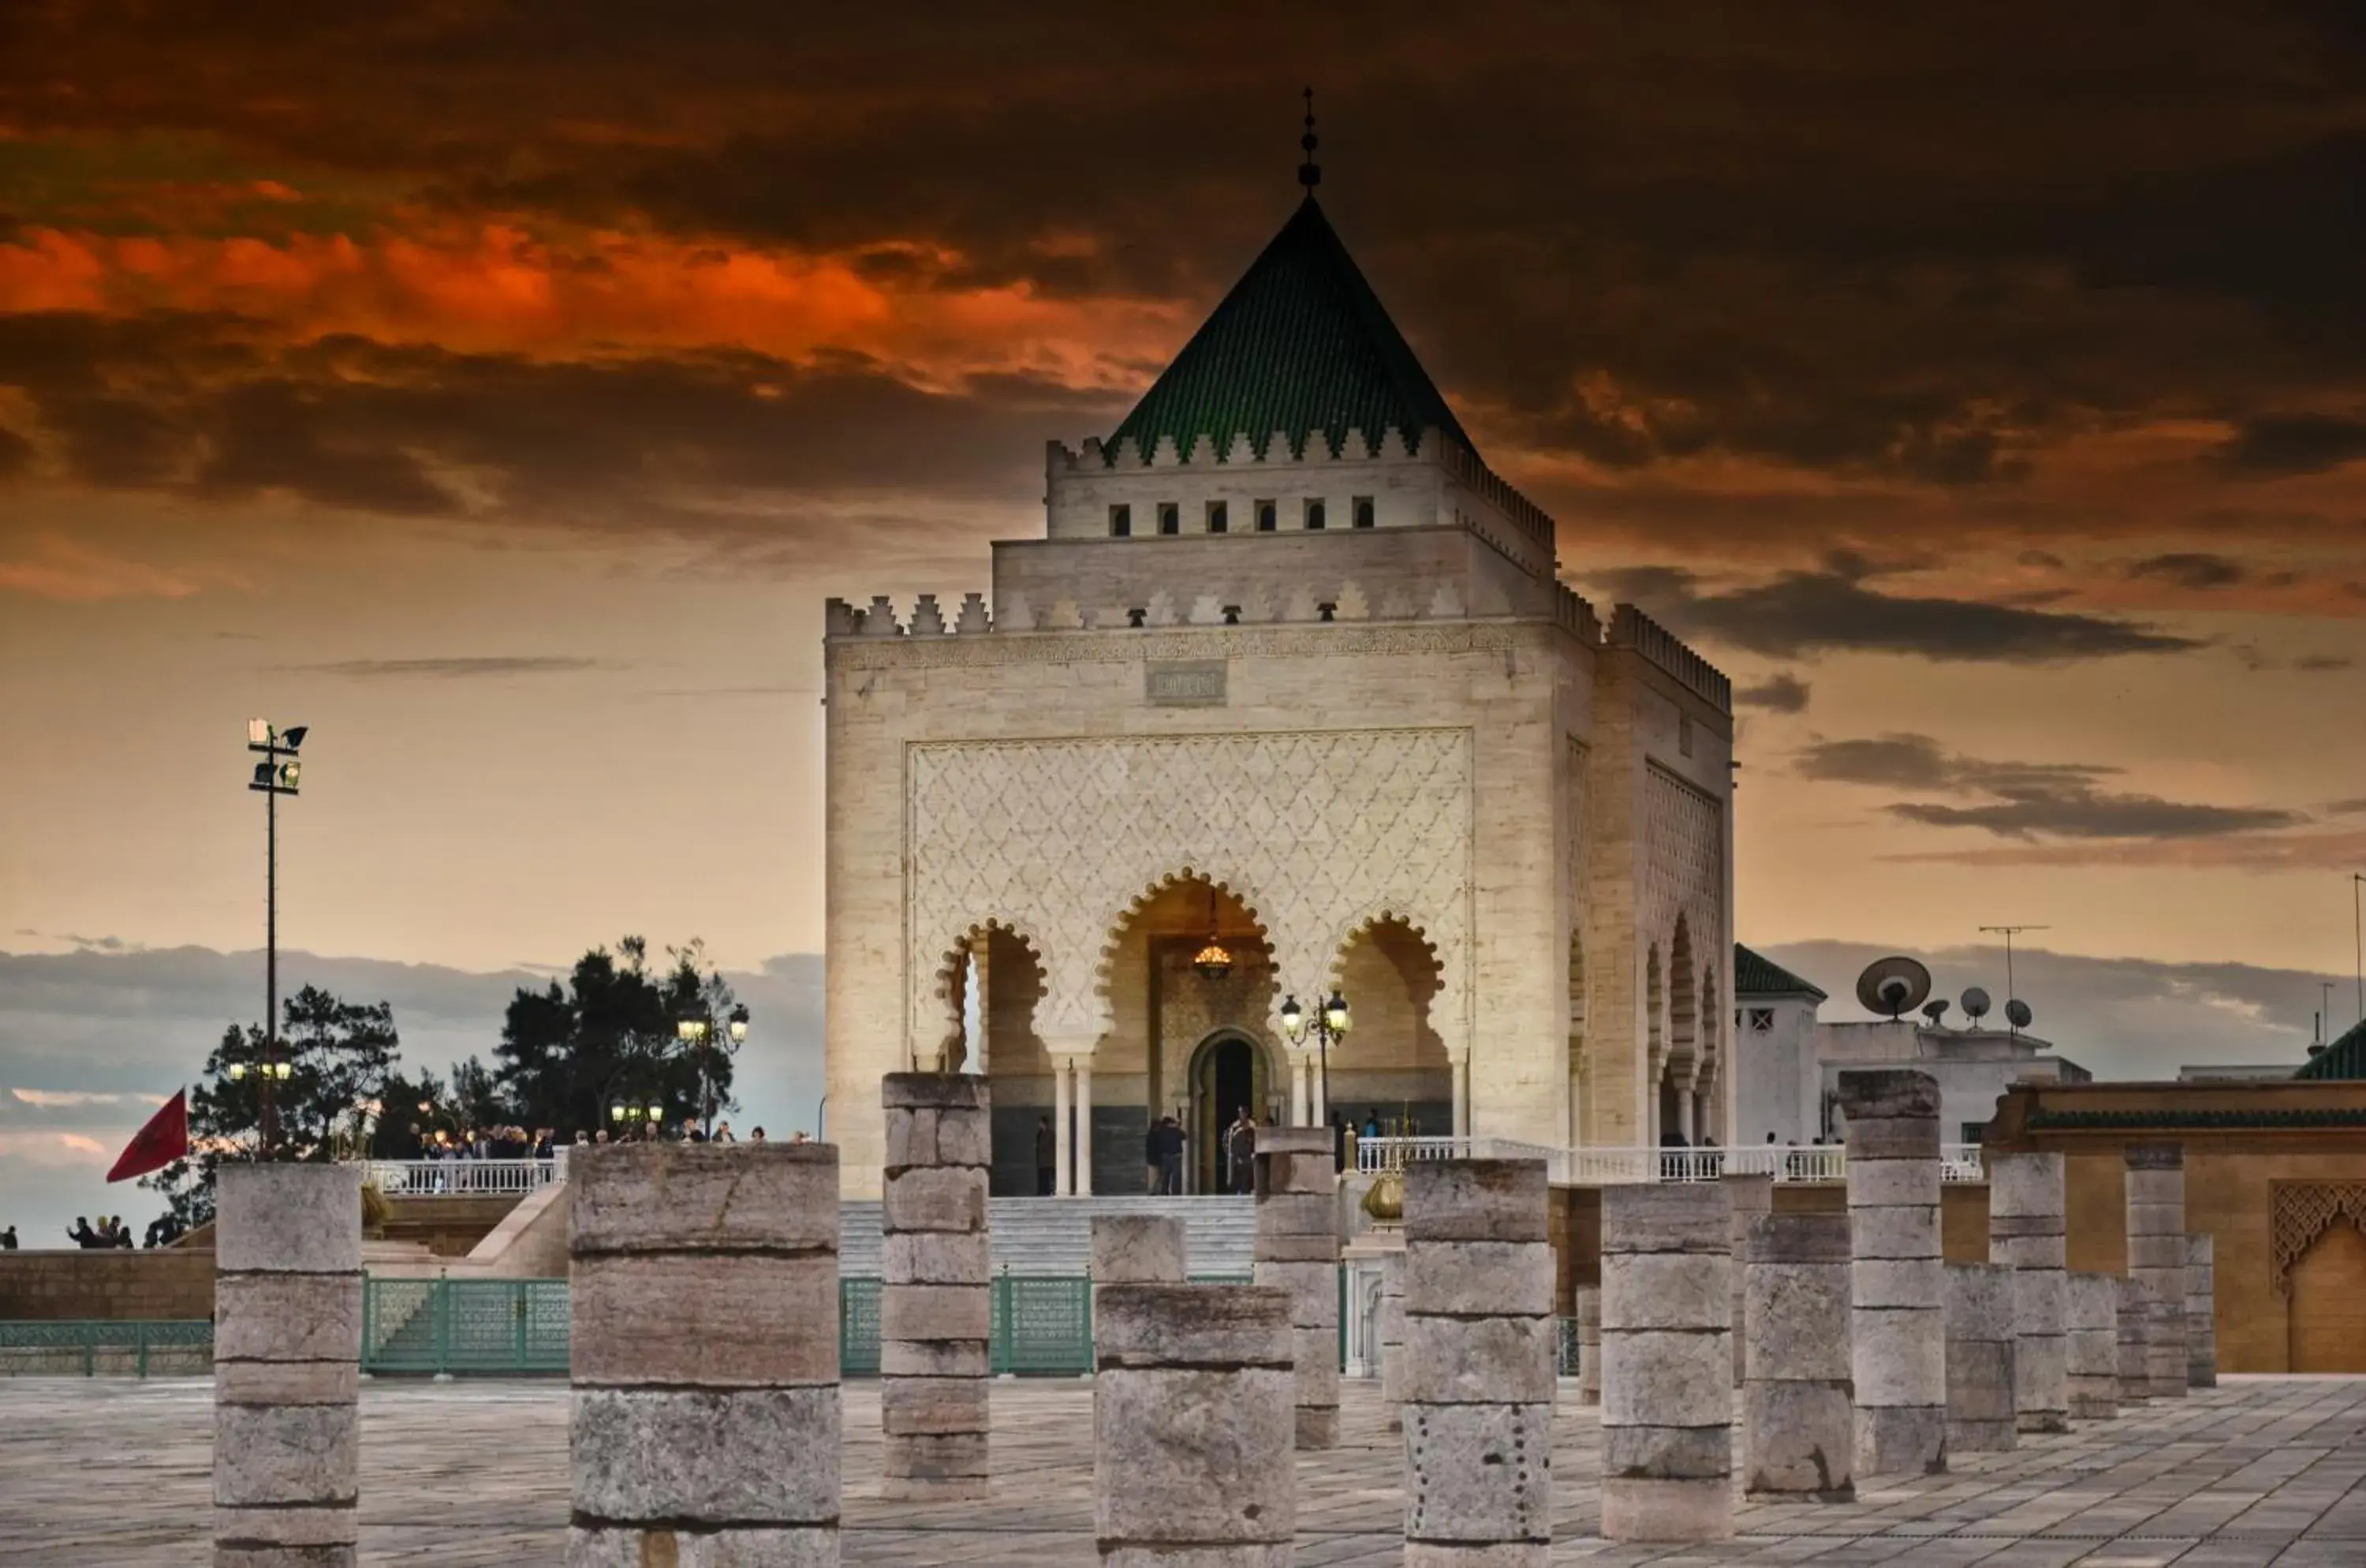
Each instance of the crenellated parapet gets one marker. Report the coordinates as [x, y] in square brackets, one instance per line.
[1575, 615]
[1630, 628]
[1307, 603]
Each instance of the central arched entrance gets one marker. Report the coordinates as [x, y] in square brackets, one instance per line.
[1229, 1074]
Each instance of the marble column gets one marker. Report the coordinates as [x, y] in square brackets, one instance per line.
[1798, 1420]
[1297, 1250]
[1478, 1365]
[2133, 1322]
[2093, 1341]
[1981, 1343]
[936, 1308]
[2028, 1202]
[1083, 1129]
[1064, 1165]
[1192, 1426]
[1392, 1336]
[1589, 1345]
[1751, 1196]
[2156, 1177]
[1667, 1370]
[288, 1344]
[2201, 1311]
[1897, 1329]
[705, 1342]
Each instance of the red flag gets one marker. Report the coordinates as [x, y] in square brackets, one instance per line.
[159, 1144]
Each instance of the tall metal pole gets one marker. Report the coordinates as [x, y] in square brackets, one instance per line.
[270, 965]
[2358, 938]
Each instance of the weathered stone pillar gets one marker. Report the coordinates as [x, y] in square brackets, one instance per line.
[936, 1307]
[1751, 1196]
[2155, 1174]
[1297, 1250]
[288, 1345]
[1798, 1418]
[2094, 1346]
[2028, 1204]
[1478, 1365]
[1391, 1327]
[2133, 1322]
[1980, 1347]
[705, 1344]
[1897, 1327]
[1589, 1345]
[2201, 1311]
[1193, 1420]
[1140, 1249]
[1667, 1370]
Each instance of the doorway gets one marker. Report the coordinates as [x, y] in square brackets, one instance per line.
[1228, 1074]
[2328, 1303]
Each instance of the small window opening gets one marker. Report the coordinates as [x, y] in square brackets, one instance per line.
[1363, 511]
[1762, 1020]
[1137, 616]
[1121, 520]
[1170, 517]
[1231, 615]
[1266, 517]
[1217, 521]
[1315, 515]
[1327, 611]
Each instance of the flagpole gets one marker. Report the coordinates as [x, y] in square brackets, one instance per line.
[270, 965]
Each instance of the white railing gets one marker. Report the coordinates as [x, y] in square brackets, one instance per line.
[1596, 1167]
[464, 1178]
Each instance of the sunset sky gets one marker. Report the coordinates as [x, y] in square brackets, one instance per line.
[499, 387]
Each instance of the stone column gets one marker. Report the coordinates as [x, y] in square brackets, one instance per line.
[288, 1345]
[2133, 1319]
[2157, 1255]
[1297, 1250]
[1064, 1165]
[1083, 1129]
[2093, 1342]
[1667, 1370]
[1897, 1328]
[1392, 1326]
[1193, 1427]
[1751, 1196]
[2201, 1311]
[705, 1344]
[1980, 1357]
[1589, 1346]
[936, 1308]
[1139, 1249]
[1478, 1365]
[1798, 1420]
[2027, 1207]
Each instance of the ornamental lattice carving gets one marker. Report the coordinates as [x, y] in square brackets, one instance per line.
[2306, 1210]
[1317, 834]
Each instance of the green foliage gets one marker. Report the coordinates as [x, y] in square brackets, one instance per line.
[609, 1037]
[340, 1058]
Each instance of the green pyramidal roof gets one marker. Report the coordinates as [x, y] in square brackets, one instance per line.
[2345, 1059]
[1302, 345]
[1755, 975]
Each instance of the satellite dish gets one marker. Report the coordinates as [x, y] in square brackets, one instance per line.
[1893, 986]
[1935, 1009]
[2017, 1013]
[1976, 1004]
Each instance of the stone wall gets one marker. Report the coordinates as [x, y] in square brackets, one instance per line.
[166, 1283]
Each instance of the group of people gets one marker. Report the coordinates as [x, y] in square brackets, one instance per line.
[1164, 1144]
[110, 1232]
[690, 1133]
[488, 1143]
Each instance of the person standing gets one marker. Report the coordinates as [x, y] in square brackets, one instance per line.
[8, 1239]
[1047, 1157]
[1170, 1158]
[1240, 1154]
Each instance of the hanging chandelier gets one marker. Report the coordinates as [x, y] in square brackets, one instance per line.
[1215, 959]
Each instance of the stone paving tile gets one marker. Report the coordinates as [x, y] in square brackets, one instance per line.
[2256, 1474]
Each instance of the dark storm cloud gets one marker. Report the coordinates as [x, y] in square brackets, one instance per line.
[2274, 445]
[1781, 693]
[15, 453]
[2024, 800]
[1801, 614]
[2195, 570]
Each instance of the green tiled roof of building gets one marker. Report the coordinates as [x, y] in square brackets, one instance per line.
[2344, 1060]
[1302, 346]
[1755, 975]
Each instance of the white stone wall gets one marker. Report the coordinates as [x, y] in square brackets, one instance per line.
[1779, 1089]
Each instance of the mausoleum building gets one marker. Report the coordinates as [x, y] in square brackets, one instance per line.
[1288, 701]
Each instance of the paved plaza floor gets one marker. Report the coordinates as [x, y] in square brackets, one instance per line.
[2257, 1473]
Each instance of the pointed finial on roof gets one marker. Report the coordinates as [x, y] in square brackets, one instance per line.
[1310, 174]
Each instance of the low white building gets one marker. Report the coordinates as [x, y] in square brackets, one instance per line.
[1788, 1062]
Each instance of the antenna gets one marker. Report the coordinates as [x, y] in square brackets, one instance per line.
[2009, 932]
[1310, 173]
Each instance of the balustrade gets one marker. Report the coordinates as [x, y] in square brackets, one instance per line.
[1610, 1167]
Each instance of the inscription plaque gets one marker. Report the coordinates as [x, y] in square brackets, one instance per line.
[1186, 683]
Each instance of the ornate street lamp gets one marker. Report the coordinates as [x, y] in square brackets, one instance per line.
[1330, 1023]
[1215, 959]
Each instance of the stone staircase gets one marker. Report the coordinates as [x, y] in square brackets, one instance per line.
[1054, 1236]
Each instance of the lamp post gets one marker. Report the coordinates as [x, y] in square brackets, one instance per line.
[1330, 1023]
[275, 775]
[696, 1032]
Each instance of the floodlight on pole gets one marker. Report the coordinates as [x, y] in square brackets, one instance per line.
[278, 774]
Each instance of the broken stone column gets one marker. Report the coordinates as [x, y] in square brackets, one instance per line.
[1297, 1250]
[1980, 1347]
[2028, 1202]
[1897, 1328]
[1391, 1336]
[1589, 1346]
[1139, 1249]
[1798, 1418]
[1193, 1420]
[2201, 1311]
[2133, 1322]
[704, 1308]
[1667, 1365]
[1751, 1196]
[2155, 1175]
[2093, 1342]
[1480, 1343]
[288, 1345]
[936, 1307]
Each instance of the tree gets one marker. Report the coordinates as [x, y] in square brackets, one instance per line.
[340, 1058]
[611, 1038]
